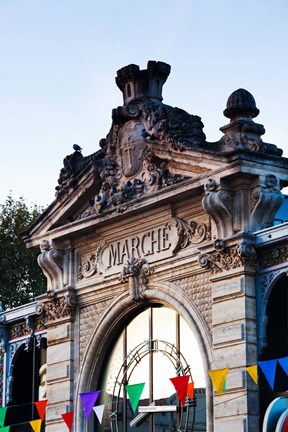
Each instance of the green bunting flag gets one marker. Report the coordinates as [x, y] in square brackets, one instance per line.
[134, 392]
[2, 415]
[5, 429]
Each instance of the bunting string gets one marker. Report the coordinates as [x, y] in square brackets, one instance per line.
[182, 388]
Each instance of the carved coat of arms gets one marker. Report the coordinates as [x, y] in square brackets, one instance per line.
[131, 144]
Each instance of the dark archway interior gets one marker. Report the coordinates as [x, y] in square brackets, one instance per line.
[24, 390]
[277, 343]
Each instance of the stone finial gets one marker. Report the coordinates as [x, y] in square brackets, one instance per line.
[241, 103]
[242, 133]
[135, 83]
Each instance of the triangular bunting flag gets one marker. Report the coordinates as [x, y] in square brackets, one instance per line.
[284, 364]
[253, 372]
[2, 415]
[88, 401]
[190, 390]
[134, 392]
[99, 409]
[181, 385]
[41, 408]
[68, 418]
[218, 377]
[5, 429]
[268, 368]
[36, 425]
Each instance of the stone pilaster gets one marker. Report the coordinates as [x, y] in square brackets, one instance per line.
[59, 315]
[234, 334]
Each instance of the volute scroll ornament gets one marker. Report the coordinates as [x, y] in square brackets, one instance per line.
[218, 204]
[51, 262]
[265, 200]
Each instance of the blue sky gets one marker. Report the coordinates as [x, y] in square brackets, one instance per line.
[58, 62]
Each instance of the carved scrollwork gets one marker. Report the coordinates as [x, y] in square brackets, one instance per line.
[136, 271]
[190, 233]
[88, 267]
[228, 258]
[59, 308]
[50, 260]
[210, 186]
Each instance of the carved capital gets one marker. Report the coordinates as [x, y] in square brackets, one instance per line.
[59, 308]
[51, 260]
[228, 258]
[136, 271]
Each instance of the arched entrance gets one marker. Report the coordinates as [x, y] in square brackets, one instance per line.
[276, 336]
[25, 382]
[149, 343]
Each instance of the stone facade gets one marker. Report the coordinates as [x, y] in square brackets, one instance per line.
[158, 215]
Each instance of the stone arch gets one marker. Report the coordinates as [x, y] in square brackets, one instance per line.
[117, 313]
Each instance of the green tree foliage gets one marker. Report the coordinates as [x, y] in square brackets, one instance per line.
[21, 278]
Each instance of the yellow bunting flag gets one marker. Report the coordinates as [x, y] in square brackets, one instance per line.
[218, 378]
[253, 372]
[36, 425]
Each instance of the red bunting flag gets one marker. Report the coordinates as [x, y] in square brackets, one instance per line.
[68, 418]
[190, 390]
[41, 408]
[181, 385]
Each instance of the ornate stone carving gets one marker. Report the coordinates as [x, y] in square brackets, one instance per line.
[59, 308]
[266, 199]
[190, 233]
[88, 268]
[218, 204]
[117, 190]
[50, 260]
[136, 272]
[229, 258]
[242, 133]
